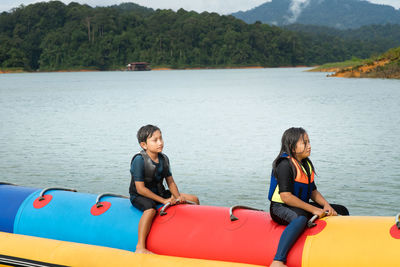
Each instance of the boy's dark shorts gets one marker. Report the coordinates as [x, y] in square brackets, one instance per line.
[144, 203]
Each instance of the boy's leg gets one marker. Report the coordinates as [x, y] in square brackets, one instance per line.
[144, 229]
[148, 206]
[192, 198]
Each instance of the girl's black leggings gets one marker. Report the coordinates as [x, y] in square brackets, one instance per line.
[296, 221]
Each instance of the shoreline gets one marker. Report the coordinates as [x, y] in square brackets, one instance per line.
[25, 71]
[209, 68]
[382, 68]
[372, 69]
[153, 69]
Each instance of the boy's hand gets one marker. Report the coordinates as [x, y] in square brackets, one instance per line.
[182, 199]
[171, 200]
[166, 201]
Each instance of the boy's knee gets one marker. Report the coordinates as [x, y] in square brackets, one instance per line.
[150, 212]
[196, 200]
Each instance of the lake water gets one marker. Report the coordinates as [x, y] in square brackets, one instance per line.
[222, 130]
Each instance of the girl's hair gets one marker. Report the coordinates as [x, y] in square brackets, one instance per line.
[146, 132]
[288, 144]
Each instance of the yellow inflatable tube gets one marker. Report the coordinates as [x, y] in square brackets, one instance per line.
[354, 241]
[20, 250]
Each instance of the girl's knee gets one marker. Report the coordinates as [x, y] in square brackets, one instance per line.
[300, 222]
[302, 219]
[342, 210]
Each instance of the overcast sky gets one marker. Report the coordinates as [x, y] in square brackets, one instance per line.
[219, 6]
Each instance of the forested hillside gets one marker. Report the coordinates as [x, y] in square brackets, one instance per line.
[55, 36]
[383, 37]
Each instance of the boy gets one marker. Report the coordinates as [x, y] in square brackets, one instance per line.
[148, 170]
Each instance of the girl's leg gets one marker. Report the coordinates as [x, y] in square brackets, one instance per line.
[144, 229]
[340, 209]
[289, 237]
[296, 219]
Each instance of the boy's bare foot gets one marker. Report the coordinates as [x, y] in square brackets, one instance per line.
[277, 264]
[143, 251]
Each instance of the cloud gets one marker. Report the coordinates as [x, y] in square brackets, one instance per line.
[295, 8]
[219, 6]
[394, 3]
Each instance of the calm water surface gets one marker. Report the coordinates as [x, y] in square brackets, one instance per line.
[222, 130]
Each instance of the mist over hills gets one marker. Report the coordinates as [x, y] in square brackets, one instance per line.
[340, 14]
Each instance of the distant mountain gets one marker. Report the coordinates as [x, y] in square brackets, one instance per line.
[341, 14]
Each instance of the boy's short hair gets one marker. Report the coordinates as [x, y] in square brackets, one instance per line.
[146, 132]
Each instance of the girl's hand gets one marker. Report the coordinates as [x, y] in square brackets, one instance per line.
[319, 212]
[329, 210]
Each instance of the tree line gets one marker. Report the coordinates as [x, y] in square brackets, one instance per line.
[54, 36]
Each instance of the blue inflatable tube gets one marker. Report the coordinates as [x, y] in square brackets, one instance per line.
[71, 216]
[11, 198]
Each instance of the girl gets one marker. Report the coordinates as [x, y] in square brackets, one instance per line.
[292, 186]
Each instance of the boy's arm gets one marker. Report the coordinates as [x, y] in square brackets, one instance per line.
[144, 191]
[174, 189]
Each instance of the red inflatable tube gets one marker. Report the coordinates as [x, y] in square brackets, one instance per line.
[206, 232]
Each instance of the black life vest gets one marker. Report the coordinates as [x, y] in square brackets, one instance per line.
[150, 180]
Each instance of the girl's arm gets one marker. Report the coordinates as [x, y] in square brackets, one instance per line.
[317, 197]
[174, 189]
[293, 201]
[144, 191]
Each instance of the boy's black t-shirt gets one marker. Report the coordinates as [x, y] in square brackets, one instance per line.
[137, 170]
[285, 176]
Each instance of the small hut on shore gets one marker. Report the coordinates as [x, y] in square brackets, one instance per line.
[138, 66]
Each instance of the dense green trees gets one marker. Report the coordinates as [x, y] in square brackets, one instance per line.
[54, 36]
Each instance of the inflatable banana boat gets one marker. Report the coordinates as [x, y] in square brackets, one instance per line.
[21, 250]
[233, 235]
